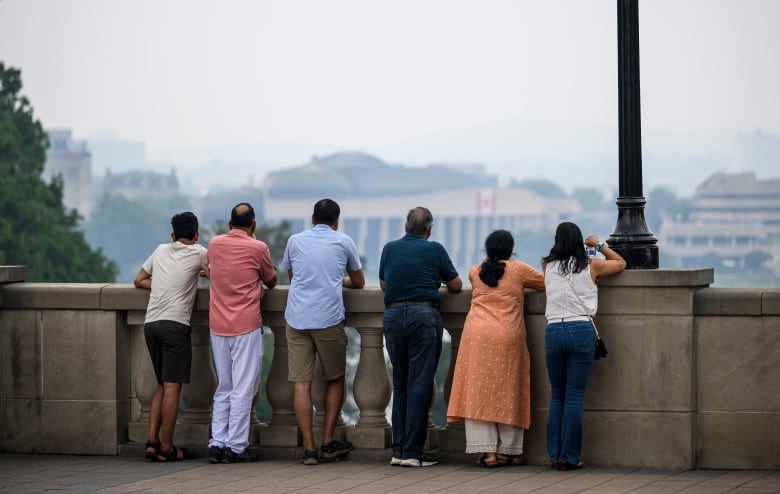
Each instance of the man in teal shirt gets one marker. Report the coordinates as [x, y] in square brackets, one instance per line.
[411, 270]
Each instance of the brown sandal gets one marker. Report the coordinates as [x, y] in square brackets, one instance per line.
[487, 464]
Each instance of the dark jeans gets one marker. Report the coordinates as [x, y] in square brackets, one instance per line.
[413, 337]
[568, 351]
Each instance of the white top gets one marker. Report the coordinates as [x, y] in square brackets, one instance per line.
[561, 289]
[174, 268]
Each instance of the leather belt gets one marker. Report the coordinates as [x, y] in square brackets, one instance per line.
[410, 303]
[569, 319]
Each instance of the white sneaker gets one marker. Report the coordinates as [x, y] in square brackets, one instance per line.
[425, 461]
[397, 457]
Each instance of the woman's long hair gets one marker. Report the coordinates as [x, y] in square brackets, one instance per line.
[498, 247]
[568, 249]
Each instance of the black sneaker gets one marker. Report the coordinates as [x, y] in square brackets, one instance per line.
[311, 457]
[229, 456]
[335, 449]
[215, 454]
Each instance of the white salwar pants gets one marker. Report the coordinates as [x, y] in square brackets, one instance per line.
[492, 437]
[238, 363]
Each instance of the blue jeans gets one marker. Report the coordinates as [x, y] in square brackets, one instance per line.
[413, 337]
[568, 351]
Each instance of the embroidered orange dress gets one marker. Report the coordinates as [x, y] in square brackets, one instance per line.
[492, 380]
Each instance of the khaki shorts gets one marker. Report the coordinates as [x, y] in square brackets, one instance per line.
[329, 343]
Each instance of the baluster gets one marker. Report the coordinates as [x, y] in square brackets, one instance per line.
[372, 390]
[144, 381]
[197, 397]
[283, 429]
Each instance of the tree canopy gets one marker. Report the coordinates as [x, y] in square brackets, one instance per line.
[35, 228]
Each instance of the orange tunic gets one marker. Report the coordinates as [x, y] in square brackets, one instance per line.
[492, 380]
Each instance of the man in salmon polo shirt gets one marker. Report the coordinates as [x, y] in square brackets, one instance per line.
[238, 265]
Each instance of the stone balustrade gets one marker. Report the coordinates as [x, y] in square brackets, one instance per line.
[690, 381]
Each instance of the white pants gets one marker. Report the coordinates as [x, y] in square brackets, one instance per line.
[238, 363]
[492, 437]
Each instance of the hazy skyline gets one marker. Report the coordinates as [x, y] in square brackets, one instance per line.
[351, 74]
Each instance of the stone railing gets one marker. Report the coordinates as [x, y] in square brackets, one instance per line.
[690, 380]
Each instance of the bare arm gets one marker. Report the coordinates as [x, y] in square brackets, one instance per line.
[143, 280]
[613, 264]
[272, 282]
[354, 279]
[455, 285]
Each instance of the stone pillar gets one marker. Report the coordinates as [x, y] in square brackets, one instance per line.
[372, 389]
[283, 429]
[144, 383]
[197, 397]
[454, 436]
[631, 237]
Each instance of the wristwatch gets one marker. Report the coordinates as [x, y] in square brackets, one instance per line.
[600, 245]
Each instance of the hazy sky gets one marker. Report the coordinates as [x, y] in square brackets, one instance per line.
[359, 73]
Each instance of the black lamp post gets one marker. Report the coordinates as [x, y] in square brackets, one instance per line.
[631, 237]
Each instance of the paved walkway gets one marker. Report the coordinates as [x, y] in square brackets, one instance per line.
[115, 474]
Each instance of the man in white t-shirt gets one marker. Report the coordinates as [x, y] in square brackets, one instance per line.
[171, 273]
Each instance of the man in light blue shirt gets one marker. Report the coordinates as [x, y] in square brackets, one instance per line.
[317, 260]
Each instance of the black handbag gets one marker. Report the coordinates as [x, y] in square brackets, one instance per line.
[601, 348]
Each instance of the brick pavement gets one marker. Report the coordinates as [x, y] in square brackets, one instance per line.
[360, 475]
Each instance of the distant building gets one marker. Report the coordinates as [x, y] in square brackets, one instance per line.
[72, 160]
[139, 184]
[732, 218]
[119, 155]
[375, 198]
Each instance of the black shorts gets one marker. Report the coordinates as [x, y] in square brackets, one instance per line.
[170, 347]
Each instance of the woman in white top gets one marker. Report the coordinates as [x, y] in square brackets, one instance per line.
[569, 339]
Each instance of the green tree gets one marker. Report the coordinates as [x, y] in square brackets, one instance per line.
[35, 228]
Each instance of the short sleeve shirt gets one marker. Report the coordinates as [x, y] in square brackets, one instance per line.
[175, 269]
[318, 259]
[413, 269]
[238, 266]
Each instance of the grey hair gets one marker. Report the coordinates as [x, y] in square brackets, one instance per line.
[419, 220]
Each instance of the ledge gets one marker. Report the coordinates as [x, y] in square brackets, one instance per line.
[13, 274]
[682, 277]
[736, 302]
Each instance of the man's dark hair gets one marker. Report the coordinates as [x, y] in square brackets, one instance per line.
[326, 212]
[185, 225]
[242, 215]
[419, 220]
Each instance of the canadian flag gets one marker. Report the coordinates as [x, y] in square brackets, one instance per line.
[486, 201]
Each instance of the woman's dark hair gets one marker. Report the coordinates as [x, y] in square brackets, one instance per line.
[498, 247]
[569, 248]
